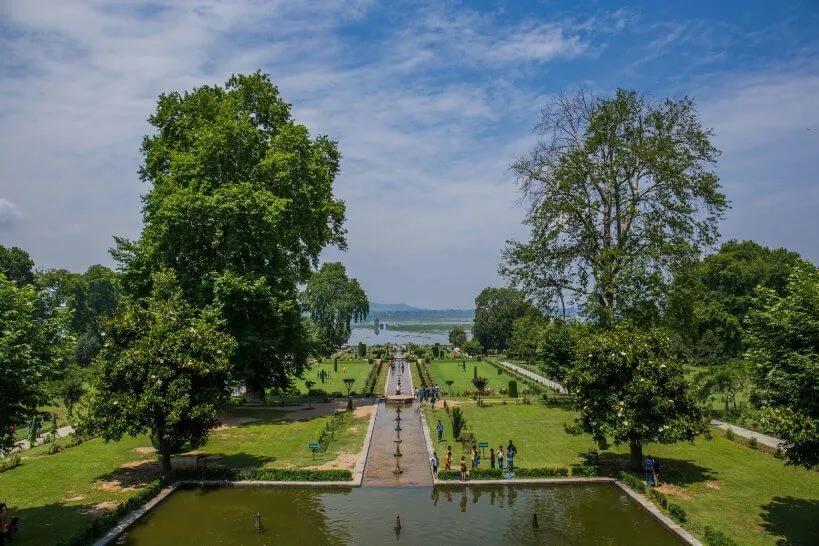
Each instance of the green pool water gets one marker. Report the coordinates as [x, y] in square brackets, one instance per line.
[567, 514]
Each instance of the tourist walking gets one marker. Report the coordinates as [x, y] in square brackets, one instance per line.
[511, 453]
[448, 461]
[491, 457]
[440, 429]
[648, 464]
[434, 462]
[500, 457]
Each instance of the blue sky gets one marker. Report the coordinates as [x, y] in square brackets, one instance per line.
[430, 101]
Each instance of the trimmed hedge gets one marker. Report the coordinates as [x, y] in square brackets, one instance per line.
[585, 471]
[714, 537]
[634, 483]
[266, 474]
[676, 511]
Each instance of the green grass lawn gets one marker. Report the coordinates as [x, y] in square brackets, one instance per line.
[749, 495]
[57, 495]
[356, 369]
[443, 370]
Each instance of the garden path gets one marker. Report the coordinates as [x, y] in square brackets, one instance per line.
[23, 445]
[414, 462]
[745, 433]
[535, 377]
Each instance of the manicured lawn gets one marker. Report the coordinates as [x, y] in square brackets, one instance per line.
[356, 369]
[443, 370]
[749, 495]
[57, 495]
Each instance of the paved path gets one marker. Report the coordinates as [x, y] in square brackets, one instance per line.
[745, 433]
[535, 377]
[378, 469]
[23, 445]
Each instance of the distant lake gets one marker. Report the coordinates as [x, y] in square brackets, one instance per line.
[369, 335]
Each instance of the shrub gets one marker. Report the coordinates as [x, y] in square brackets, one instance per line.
[658, 497]
[634, 483]
[752, 443]
[548, 472]
[729, 434]
[448, 474]
[585, 471]
[12, 462]
[349, 403]
[676, 511]
[513, 388]
[54, 448]
[713, 537]
[458, 421]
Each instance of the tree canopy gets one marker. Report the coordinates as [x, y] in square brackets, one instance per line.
[16, 265]
[334, 301]
[628, 387]
[496, 310]
[457, 337]
[33, 351]
[164, 369]
[621, 191]
[710, 298]
[553, 343]
[240, 206]
[783, 347]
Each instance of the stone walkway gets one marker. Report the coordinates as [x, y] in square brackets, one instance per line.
[745, 433]
[535, 377]
[414, 462]
[23, 445]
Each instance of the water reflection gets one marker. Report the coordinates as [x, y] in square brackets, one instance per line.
[586, 514]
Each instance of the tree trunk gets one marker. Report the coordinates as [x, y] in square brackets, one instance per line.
[254, 393]
[636, 456]
[165, 454]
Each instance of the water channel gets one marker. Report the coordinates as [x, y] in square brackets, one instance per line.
[567, 514]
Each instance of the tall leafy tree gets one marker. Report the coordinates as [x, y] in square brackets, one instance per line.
[164, 369]
[17, 265]
[621, 191]
[628, 387]
[33, 351]
[240, 206]
[334, 301]
[457, 337]
[709, 299]
[783, 347]
[496, 310]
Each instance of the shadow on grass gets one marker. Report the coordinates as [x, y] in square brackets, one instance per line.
[302, 412]
[674, 471]
[50, 523]
[792, 519]
[141, 473]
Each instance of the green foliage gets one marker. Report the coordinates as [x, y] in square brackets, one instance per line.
[729, 434]
[457, 337]
[496, 310]
[498, 474]
[436, 350]
[634, 483]
[13, 461]
[472, 347]
[34, 344]
[657, 497]
[714, 537]
[164, 368]
[621, 190]
[783, 345]
[334, 301]
[458, 422]
[372, 377]
[710, 299]
[585, 471]
[535, 338]
[513, 388]
[240, 206]
[362, 349]
[17, 265]
[54, 448]
[71, 389]
[88, 345]
[753, 443]
[676, 511]
[627, 386]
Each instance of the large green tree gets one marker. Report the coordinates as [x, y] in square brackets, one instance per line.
[628, 387]
[33, 351]
[783, 347]
[17, 265]
[552, 343]
[709, 298]
[496, 310]
[164, 369]
[334, 301]
[621, 191]
[240, 206]
[457, 337]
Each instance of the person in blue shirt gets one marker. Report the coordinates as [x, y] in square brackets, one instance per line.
[440, 429]
[511, 451]
[648, 464]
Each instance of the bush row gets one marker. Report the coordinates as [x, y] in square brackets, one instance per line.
[674, 510]
[522, 473]
[717, 538]
[265, 474]
[372, 377]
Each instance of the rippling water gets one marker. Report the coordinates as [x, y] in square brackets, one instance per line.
[567, 514]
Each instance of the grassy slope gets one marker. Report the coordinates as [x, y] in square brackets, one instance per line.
[443, 370]
[53, 494]
[747, 494]
[357, 369]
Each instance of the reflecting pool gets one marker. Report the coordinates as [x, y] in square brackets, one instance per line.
[567, 514]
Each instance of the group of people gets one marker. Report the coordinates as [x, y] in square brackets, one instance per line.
[500, 457]
[430, 393]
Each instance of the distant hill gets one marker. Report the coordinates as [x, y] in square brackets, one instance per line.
[376, 307]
